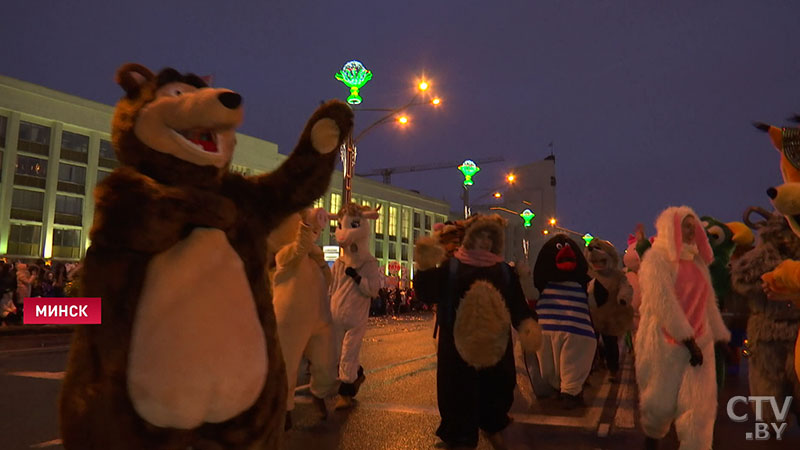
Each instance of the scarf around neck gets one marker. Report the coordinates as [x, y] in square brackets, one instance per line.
[477, 258]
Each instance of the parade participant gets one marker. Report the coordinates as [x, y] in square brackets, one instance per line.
[356, 279]
[187, 355]
[610, 300]
[300, 282]
[569, 341]
[680, 322]
[479, 297]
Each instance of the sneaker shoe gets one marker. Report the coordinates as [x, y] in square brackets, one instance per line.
[344, 402]
[572, 401]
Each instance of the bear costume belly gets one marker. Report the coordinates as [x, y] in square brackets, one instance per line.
[218, 375]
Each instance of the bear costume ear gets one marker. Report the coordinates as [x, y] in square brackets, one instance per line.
[131, 77]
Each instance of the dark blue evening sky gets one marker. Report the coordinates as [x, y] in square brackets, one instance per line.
[649, 103]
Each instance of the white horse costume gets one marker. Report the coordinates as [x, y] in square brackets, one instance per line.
[356, 280]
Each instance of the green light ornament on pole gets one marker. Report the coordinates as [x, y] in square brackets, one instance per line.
[468, 168]
[588, 238]
[527, 216]
[354, 75]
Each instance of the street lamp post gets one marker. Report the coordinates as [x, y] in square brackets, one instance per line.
[469, 169]
[348, 152]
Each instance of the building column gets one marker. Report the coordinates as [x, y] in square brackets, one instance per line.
[48, 212]
[91, 183]
[7, 181]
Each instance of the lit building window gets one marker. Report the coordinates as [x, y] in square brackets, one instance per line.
[379, 222]
[101, 175]
[32, 167]
[392, 221]
[74, 142]
[69, 173]
[24, 239]
[66, 243]
[336, 205]
[319, 203]
[107, 151]
[3, 126]
[405, 224]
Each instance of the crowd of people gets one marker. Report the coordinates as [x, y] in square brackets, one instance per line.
[39, 278]
[395, 301]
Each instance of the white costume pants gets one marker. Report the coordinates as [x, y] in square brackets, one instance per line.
[319, 348]
[348, 342]
[671, 390]
[566, 360]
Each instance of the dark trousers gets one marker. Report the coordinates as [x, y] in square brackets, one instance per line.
[471, 399]
[611, 347]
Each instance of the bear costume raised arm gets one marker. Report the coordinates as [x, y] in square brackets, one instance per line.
[187, 355]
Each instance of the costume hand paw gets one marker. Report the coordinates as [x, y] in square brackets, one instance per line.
[332, 122]
[352, 273]
[696, 355]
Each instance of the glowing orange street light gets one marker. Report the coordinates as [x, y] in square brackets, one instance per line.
[497, 195]
[423, 86]
[436, 101]
[545, 232]
[553, 221]
[403, 119]
[511, 178]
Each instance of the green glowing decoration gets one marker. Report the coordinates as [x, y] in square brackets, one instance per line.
[527, 216]
[588, 238]
[468, 168]
[354, 75]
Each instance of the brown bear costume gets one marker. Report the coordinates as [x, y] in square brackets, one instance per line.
[187, 355]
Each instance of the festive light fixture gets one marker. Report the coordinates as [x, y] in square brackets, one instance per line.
[511, 178]
[545, 232]
[354, 75]
[527, 216]
[468, 168]
[423, 86]
[497, 195]
[403, 119]
[436, 101]
[553, 221]
[588, 238]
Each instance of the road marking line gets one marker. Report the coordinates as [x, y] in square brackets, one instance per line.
[419, 358]
[52, 443]
[55, 348]
[41, 375]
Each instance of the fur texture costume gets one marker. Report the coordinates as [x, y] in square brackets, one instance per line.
[678, 306]
[569, 340]
[187, 355]
[784, 282]
[476, 294]
[356, 279]
[610, 298]
[772, 326]
[300, 282]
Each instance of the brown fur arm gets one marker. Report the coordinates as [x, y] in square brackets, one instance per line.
[302, 178]
[135, 212]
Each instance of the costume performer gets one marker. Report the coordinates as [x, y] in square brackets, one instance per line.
[187, 354]
[610, 299]
[300, 282]
[356, 279]
[680, 322]
[569, 340]
[479, 297]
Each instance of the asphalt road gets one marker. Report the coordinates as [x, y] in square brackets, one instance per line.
[396, 406]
